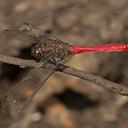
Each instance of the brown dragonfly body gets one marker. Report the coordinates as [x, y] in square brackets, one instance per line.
[43, 47]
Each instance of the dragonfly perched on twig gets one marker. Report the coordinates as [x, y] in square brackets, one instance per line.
[49, 50]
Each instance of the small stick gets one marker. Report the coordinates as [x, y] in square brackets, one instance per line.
[109, 85]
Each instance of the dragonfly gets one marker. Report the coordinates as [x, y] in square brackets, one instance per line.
[48, 50]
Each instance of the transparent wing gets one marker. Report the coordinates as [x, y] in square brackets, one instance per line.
[41, 79]
[20, 96]
[28, 86]
[23, 95]
[28, 32]
[24, 32]
[49, 37]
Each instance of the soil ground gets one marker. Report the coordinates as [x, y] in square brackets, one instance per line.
[66, 101]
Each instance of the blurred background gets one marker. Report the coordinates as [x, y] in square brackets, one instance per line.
[65, 101]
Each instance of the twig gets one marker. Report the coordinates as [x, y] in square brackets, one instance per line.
[18, 61]
[112, 86]
[100, 81]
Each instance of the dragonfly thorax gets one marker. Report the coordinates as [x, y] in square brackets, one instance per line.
[39, 50]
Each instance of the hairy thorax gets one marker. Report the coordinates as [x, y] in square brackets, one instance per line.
[57, 48]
